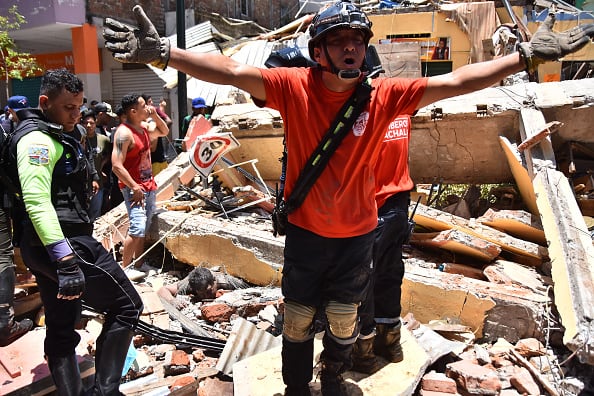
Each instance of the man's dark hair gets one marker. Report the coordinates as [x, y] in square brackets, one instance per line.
[88, 113]
[199, 279]
[53, 81]
[129, 101]
[119, 110]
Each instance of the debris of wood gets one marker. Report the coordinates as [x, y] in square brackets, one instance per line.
[462, 269]
[434, 219]
[518, 223]
[459, 242]
[510, 273]
[543, 381]
[546, 131]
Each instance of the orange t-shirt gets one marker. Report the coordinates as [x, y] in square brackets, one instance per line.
[341, 203]
[391, 171]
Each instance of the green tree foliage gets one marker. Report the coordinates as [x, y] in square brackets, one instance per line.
[14, 64]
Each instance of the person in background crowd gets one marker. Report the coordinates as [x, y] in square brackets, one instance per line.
[79, 133]
[199, 107]
[159, 145]
[10, 120]
[163, 106]
[4, 116]
[57, 244]
[131, 163]
[328, 250]
[84, 105]
[10, 329]
[99, 147]
[441, 52]
[106, 118]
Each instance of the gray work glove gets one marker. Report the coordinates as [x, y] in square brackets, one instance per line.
[71, 280]
[547, 45]
[140, 45]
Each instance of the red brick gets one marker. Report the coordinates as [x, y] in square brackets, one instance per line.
[522, 380]
[198, 355]
[530, 347]
[214, 386]
[509, 392]
[438, 382]
[181, 382]
[474, 379]
[434, 393]
[217, 312]
[176, 362]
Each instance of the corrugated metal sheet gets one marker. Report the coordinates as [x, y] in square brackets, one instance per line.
[252, 53]
[245, 340]
[169, 75]
[195, 35]
[137, 81]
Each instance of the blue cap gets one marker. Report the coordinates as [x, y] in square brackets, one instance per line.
[198, 103]
[18, 102]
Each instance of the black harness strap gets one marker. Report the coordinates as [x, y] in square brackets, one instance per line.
[329, 143]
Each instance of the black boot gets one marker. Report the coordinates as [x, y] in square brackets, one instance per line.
[112, 348]
[387, 342]
[297, 367]
[66, 375]
[364, 360]
[335, 359]
[10, 330]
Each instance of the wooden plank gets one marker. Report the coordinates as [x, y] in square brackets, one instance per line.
[517, 223]
[523, 180]
[458, 242]
[435, 219]
[26, 355]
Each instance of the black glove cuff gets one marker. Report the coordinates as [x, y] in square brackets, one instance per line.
[68, 266]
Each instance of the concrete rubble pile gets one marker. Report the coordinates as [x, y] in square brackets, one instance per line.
[484, 283]
[489, 291]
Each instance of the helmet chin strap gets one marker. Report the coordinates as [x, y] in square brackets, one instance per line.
[343, 74]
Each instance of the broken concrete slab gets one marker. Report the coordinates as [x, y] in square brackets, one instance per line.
[260, 375]
[238, 247]
[510, 273]
[492, 311]
[570, 244]
[463, 146]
